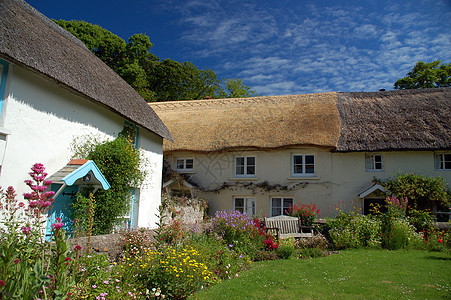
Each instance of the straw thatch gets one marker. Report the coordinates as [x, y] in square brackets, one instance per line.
[380, 121]
[259, 122]
[395, 120]
[30, 39]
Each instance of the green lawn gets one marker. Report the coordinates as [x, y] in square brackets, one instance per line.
[351, 274]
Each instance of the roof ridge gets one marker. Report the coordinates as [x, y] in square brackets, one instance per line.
[224, 101]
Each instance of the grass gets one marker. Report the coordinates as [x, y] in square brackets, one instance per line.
[351, 274]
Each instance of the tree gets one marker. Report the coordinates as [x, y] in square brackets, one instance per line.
[234, 88]
[152, 78]
[426, 75]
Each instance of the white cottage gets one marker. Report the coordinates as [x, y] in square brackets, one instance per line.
[263, 154]
[52, 90]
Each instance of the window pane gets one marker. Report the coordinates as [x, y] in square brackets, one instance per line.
[240, 161]
[251, 161]
[276, 206]
[250, 170]
[239, 204]
[297, 164]
[309, 159]
[447, 161]
[287, 203]
[180, 164]
[309, 169]
[297, 169]
[438, 161]
[239, 170]
[189, 164]
[250, 206]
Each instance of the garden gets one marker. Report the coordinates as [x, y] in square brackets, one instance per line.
[401, 247]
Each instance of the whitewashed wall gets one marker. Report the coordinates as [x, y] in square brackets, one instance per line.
[43, 119]
[339, 176]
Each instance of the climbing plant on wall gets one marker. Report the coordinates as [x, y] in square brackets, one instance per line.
[123, 167]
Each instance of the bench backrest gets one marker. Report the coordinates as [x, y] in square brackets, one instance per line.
[286, 224]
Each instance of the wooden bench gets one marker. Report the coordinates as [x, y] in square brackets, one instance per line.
[286, 227]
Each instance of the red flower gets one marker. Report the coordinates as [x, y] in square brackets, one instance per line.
[16, 261]
[2, 283]
[440, 241]
[77, 248]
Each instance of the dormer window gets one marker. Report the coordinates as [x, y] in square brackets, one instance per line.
[184, 164]
[245, 166]
[443, 161]
[374, 162]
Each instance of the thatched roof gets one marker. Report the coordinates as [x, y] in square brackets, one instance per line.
[394, 120]
[30, 39]
[258, 122]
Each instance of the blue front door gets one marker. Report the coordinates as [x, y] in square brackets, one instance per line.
[62, 207]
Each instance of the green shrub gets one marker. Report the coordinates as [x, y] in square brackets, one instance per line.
[285, 251]
[423, 193]
[351, 230]
[317, 241]
[245, 235]
[124, 168]
[420, 219]
[396, 234]
[310, 253]
[177, 272]
[222, 259]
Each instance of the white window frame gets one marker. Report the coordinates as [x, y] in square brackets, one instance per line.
[245, 174]
[441, 160]
[282, 207]
[304, 170]
[249, 203]
[371, 163]
[184, 168]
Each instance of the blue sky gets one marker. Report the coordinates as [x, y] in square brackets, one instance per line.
[281, 47]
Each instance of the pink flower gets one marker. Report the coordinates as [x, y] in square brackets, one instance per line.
[47, 182]
[58, 219]
[68, 259]
[77, 248]
[21, 204]
[57, 226]
[26, 230]
[16, 261]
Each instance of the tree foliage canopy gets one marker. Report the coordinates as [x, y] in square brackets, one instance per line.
[426, 75]
[152, 78]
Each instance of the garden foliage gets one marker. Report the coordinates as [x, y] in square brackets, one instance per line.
[122, 165]
[305, 212]
[423, 193]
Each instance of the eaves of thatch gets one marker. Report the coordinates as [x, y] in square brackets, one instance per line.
[395, 120]
[251, 123]
[30, 39]
[342, 122]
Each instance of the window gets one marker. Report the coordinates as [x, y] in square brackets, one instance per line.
[3, 73]
[245, 166]
[303, 165]
[374, 162]
[280, 206]
[184, 164]
[443, 161]
[244, 205]
[130, 132]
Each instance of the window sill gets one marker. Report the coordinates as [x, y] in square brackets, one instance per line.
[5, 131]
[304, 178]
[244, 179]
[186, 171]
[373, 171]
